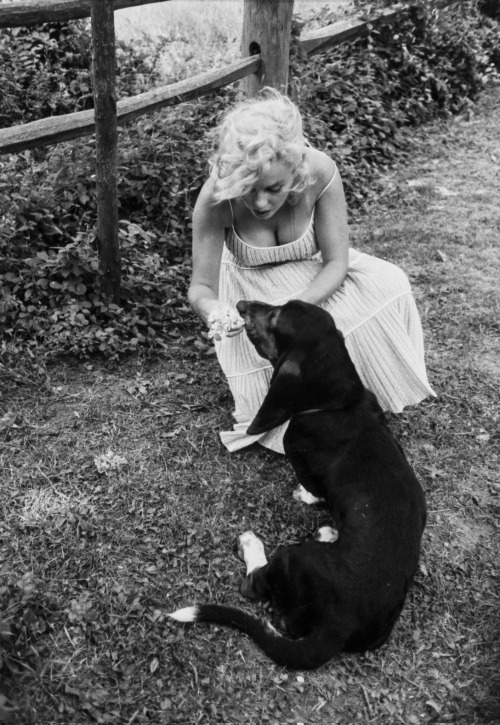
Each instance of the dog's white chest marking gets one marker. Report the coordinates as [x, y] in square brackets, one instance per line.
[251, 550]
[302, 495]
[326, 535]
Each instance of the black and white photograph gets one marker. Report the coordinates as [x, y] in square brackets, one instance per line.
[249, 362]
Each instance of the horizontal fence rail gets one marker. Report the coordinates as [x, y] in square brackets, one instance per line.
[55, 129]
[73, 125]
[20, 14]
[318, 40]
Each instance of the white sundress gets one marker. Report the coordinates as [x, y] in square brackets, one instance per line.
[374, 308]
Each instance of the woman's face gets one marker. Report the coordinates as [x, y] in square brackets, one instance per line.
[271, 190]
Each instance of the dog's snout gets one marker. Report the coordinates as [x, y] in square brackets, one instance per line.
[241, 306]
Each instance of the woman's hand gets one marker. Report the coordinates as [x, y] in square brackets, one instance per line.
[225, 321]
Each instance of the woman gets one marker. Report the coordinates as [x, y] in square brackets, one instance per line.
[270, 224]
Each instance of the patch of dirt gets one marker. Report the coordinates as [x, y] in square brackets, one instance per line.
[438, 216]
[469, 532]
[488, 358]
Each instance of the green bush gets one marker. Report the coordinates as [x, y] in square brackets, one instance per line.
[54, 298]
[164, 160]
[46, 71]
[358, 100]
[50, 288]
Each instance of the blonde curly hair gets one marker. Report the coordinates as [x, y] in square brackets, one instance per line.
[251, 136]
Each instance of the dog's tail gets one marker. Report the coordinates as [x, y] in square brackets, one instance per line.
[298, 654]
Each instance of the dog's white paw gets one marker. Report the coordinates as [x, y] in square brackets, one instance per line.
[301, 494]
[251, 550]
[326, 535]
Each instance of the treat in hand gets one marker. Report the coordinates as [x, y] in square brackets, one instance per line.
[223, 320]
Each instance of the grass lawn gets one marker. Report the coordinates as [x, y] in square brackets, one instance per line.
[119, 503]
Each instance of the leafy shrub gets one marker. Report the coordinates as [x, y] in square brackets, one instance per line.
[50, 287]
[166, 162]
[162, 166]
[54, 297]
[46, 71]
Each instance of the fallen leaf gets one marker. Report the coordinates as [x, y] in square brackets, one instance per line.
[483, 437]
[8, 420]
[418, 183]
[434, 706]
[109, 461]
[443, 191]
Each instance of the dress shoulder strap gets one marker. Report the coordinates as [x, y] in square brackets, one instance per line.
[232, 212]
[328, 185]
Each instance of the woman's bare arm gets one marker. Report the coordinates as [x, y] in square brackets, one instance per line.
[332, 234]
[209, 222]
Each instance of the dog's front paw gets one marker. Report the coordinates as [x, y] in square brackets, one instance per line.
[251, 550]
[244, 542]
[301, 494]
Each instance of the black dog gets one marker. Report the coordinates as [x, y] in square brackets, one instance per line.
[329, 596]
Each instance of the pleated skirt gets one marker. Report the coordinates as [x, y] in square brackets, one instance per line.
[374, 309]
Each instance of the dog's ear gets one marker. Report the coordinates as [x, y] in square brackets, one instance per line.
[278, 403]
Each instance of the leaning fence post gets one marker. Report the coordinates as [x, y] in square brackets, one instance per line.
[106, 132]
[266, 30]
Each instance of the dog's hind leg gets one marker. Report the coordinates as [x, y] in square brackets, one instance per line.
[301, 494]
[251, 550]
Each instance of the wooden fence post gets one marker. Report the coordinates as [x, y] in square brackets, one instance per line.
[106, 132]
[266, 30]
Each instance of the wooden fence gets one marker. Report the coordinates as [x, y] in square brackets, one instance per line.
[265, 59]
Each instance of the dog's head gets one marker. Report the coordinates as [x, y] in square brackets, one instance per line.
[312, 368]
